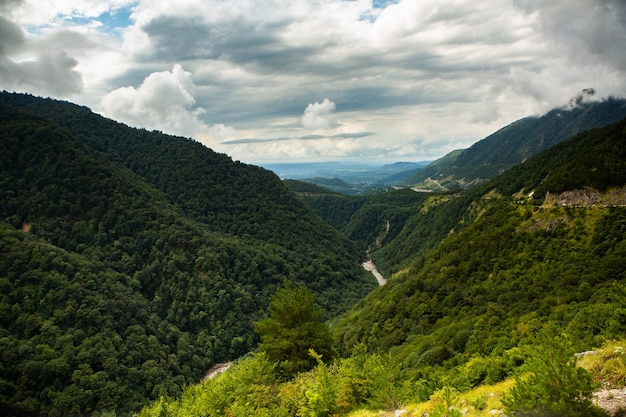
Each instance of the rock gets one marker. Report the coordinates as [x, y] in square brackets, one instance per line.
[611, 400]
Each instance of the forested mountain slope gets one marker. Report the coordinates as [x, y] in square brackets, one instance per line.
[132, 261]
[512, 259]
[497, 285]
[229, 197]
[516, 143]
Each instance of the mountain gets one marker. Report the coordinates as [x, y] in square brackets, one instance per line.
[515, 143]
[479, 274]
[132, 261]
[496, 289]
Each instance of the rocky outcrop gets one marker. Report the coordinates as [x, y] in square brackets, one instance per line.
[588, 197]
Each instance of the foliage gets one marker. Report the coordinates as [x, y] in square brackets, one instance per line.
[498, 269]
[335, 209]
[480, 274]
[594, 158]
[447, 406]
[554, 384]
[133, 261]
[370, 221]
[227, 197]
[294, 327]
[250, 387]
[483, 401]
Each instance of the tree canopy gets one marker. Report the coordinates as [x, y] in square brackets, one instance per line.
[133, 261]
[295, 326]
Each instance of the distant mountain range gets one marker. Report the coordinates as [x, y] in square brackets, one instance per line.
[461, 168]
[347, 177]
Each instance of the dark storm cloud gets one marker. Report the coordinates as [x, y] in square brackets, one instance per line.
[239, 41]
[586, 29]
[11, 36]
[46, 73]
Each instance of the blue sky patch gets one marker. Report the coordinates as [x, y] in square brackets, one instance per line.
[119, 18]
[381, 4]
[376, 4]
[111, 19]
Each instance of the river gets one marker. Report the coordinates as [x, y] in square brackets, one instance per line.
[370, 266]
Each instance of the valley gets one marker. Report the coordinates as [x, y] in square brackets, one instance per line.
[133, 262]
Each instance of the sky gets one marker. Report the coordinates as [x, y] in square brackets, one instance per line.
[316, 80]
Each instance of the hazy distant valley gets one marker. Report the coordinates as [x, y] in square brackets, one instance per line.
[348, 177]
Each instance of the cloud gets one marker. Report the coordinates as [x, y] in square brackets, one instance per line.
[238, 39]
[424, 76]
[221, 131]
[314, 116]
[486, 113]
[48, 74]
[7, 5]
[164, 100]
[54, 14]
[583, 47]
[588, 29]
[356, 135]
[41, 72]
[11, 36]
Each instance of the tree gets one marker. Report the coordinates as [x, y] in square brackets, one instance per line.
[295, 325]
[554, 385]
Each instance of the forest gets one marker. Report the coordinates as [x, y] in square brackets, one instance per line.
[134, 261]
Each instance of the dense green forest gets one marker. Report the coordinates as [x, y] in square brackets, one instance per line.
[133, 261]
[497, 285]
[507, 264]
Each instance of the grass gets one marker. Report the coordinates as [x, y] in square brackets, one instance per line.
[478, 402]
[608, 365]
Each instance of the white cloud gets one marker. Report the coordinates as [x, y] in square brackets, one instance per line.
[164, 100]
[220, 131]
[420, 76]
[314, 116]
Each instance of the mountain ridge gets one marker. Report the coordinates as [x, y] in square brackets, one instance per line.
[518, 141]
